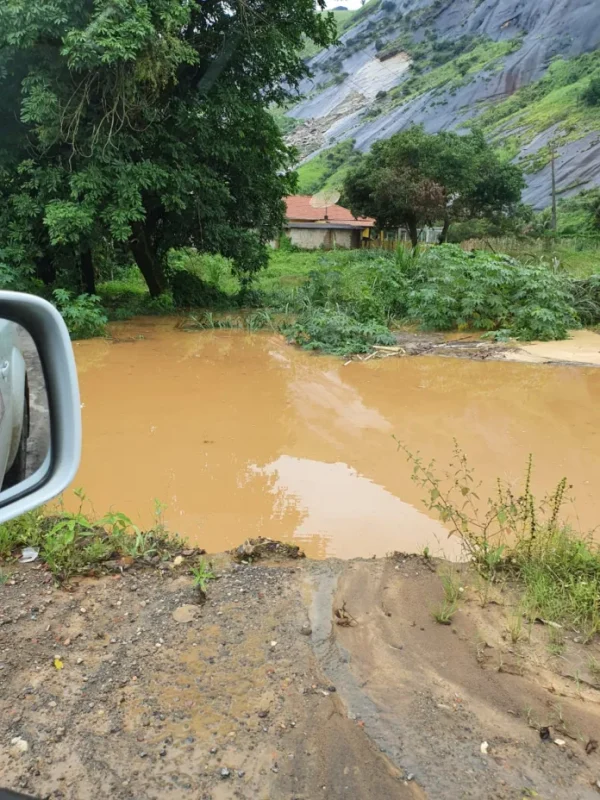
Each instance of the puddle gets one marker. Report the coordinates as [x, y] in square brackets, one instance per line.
[242, 435]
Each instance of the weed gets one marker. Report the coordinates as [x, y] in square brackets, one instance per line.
[202, 574]
[24, 531]
[556, 641]
[452, 586]
[69, 542]
[83, 315]
[594, 668]
[515, 626]
[4, 577]
[443, 614]
[337, 333]
[520, 536]
[97, 550]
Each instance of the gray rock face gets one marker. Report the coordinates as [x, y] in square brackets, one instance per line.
[548, 28]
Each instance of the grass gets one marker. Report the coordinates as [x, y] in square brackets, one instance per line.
[129, 297]
[485, 56]
[344, 20]
[75, 543]
[578, 256]
[344, 302]
[555, 99]
[202, 575]
[328, 169]
[555, 569]
[443, 613]
[452, 586]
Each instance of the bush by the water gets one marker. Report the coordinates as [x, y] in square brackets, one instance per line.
[201, 280]
[83, 315]
[337, 333]
[449, 288]
[442, 288]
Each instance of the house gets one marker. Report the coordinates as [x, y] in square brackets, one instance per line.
[311, 228]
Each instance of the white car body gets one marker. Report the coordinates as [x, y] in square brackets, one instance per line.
[13, 396]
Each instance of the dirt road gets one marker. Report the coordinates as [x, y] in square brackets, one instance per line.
[125, 687]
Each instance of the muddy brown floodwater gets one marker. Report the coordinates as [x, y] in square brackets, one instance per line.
[242, 435]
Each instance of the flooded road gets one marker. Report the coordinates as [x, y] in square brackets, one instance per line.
[242, 435]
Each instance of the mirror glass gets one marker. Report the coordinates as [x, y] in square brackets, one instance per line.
[24, 415]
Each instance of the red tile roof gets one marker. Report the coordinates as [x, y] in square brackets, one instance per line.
[299, 209]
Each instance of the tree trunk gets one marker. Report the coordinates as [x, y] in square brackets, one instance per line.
[146, 260]
[88, 277]
[413, 231]
[45, 269]
[444, 233]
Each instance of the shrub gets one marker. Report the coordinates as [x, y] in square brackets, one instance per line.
[203, 280]
[450, 289]
[591, 94]
[83, 315]
[337, 333]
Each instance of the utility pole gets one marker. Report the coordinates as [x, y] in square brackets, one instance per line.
[554, 223]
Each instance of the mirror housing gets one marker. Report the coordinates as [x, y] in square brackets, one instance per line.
[51, 338]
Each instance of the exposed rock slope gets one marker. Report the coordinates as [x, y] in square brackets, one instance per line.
[517, 66]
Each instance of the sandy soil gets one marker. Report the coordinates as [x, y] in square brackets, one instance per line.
[124, 686]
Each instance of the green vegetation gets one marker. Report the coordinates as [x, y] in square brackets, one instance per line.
[416, 179]
[558, 98]
[450, 289]
[83, 315]
[346, 301]
[340, 300]
[577, 216]
[343, 20]
[138, 132]
[519, 538]
[443, 614]
[327, 170]
[76, 543]
[202, 574]
[337, 333]
[591, 93]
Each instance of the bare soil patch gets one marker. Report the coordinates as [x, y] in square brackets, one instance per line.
[125, 686]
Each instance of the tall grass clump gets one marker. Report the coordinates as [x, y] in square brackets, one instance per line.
[521, 537]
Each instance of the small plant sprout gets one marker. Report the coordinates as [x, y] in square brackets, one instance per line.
[515, 626]
[202, 574]
[453, 589]
[443, 614]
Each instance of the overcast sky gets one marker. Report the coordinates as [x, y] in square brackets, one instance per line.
[347, 3]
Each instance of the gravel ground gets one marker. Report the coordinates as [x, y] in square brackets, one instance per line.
[128, 686]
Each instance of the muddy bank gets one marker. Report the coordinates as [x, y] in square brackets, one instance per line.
[243, 435]
[126, 687]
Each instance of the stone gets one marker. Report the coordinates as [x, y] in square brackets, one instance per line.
[185, 613]
[18, 746]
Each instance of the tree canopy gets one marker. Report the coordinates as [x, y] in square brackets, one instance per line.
[415, 179]
[144, 123]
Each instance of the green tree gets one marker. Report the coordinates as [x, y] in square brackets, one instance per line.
[144, 123]
[591, 94]
[415, 179]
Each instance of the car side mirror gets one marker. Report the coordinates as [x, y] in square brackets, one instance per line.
[40, 411]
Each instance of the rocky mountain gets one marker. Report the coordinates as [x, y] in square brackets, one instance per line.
[517, 68]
